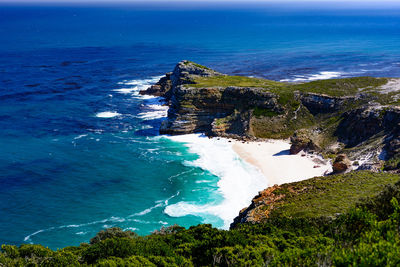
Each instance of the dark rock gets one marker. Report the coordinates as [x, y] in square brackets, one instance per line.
[341, 164]
[360, 124]
[319, 103]
[181, 75]
[161, 88]
[302, 141]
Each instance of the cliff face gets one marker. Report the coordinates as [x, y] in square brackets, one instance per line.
[320, 103]
[355, 116]
[207, 109]
[355, 120]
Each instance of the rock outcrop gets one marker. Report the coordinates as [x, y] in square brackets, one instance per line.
[316, 122]
[203, 100]
[260, 207]
[206, 109]
[350, 119]
[341, 164]
[302, 141]
[182, 74]
[321, 103]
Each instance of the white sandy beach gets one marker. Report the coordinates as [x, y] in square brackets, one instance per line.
[272, 158]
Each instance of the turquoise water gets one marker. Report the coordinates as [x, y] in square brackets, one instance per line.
[79, 149]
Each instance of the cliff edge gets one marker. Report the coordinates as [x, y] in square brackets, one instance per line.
[355, 122]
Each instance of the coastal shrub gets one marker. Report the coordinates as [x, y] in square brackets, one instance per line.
[28, 250]
[131, 261]
[110, 233]
[264, 112]
[365, 235]
[392, 164]
[10, 251]
[117, 247]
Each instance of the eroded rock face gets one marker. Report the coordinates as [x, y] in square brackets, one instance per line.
[179, 76]
[195, 109]
[229, 111]
[260, 207]
[392, 124]
[161, 88]
[360, 124]
[341, 164]
[302, 141]
[319, 103]
[369, 122]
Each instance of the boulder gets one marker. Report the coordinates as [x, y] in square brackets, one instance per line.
[302, 141]
[341, 164]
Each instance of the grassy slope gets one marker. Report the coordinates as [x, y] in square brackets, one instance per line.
[331, 87]
[325, 196]
[241, 81]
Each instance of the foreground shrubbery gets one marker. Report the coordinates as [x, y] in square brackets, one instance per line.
[367, 235]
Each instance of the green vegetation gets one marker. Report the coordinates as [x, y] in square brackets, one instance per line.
[187, 62]
[271, 124]
[265, 125]
[392, 164]
[366, 234]
[259, 112]
[331, 87]
[341, 87]
[328, 195]
[240, 81]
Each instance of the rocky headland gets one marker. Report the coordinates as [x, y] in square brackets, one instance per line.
[354, 122]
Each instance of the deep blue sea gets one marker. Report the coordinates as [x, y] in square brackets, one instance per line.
[79, 148]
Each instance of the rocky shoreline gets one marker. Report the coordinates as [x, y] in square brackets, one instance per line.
[353, 122]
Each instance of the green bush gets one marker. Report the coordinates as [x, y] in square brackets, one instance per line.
[366, 235]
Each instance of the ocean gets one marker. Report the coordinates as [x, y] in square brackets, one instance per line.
[79, 147]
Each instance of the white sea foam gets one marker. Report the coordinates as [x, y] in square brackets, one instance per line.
[106, 223]
[152, 115]
[323, 75]
[111, 219]
[159, 203]
[135, 86]
[203, 181]
[144, 212]
[107, 114]
[130, 229]
[153, 108]
[239, 181]
[80, 136]
[81, 233]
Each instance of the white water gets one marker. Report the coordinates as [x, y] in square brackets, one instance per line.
[153, 107]
[323, 75]
[107, 114]
[239, 181]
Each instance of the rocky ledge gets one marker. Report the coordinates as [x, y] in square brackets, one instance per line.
[353, 121]
[358, 117]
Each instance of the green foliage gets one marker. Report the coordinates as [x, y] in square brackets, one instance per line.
[331, 87]
[341, 87]
[110, 233]
[259, 112]
[240, 81]
[329, 195]
[366, 235]
[111, 247]
[392, 164]
[131, 261]
[187, 62]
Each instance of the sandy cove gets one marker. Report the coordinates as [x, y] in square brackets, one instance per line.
[272, 158]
